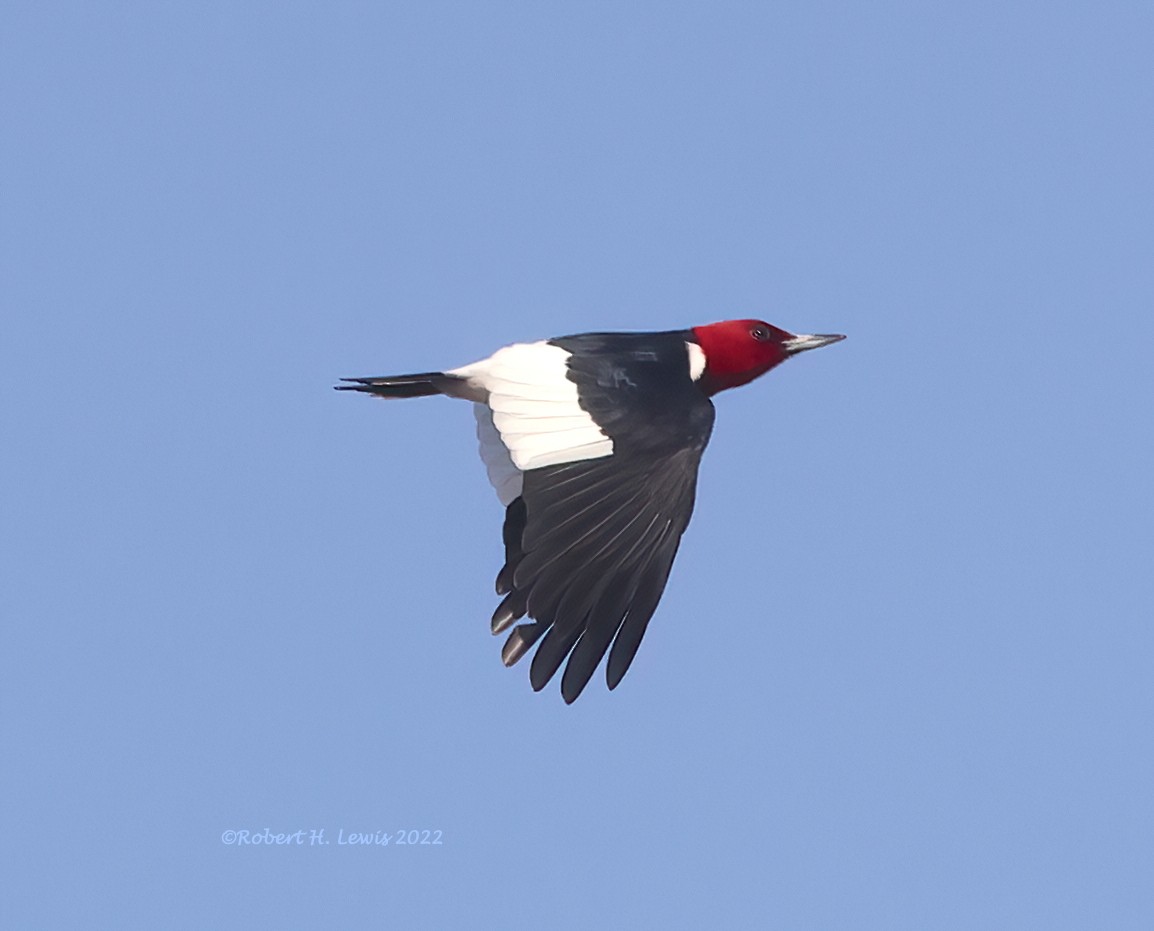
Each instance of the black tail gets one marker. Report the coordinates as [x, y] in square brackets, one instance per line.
[401, 386]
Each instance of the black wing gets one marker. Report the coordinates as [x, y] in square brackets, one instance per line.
[589, 544]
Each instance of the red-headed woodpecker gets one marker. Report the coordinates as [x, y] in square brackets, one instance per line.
[593, 442]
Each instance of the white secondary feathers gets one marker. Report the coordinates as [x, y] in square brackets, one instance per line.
[503, 475]
[696, 360]
[530, 416]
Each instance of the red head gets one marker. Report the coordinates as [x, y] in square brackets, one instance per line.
[738, 351]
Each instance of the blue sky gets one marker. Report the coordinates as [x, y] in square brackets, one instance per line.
[901, 677]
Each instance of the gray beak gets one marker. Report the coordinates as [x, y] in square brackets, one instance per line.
[801, 343]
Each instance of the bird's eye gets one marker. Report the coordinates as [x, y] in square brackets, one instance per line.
[760, 333]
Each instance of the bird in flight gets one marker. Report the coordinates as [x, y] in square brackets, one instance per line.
[592, 443]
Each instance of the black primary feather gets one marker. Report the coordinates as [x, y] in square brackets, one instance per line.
[598, 581]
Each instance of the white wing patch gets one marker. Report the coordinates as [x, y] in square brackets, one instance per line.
[533, 413]
[503, 475]
[696, 360]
